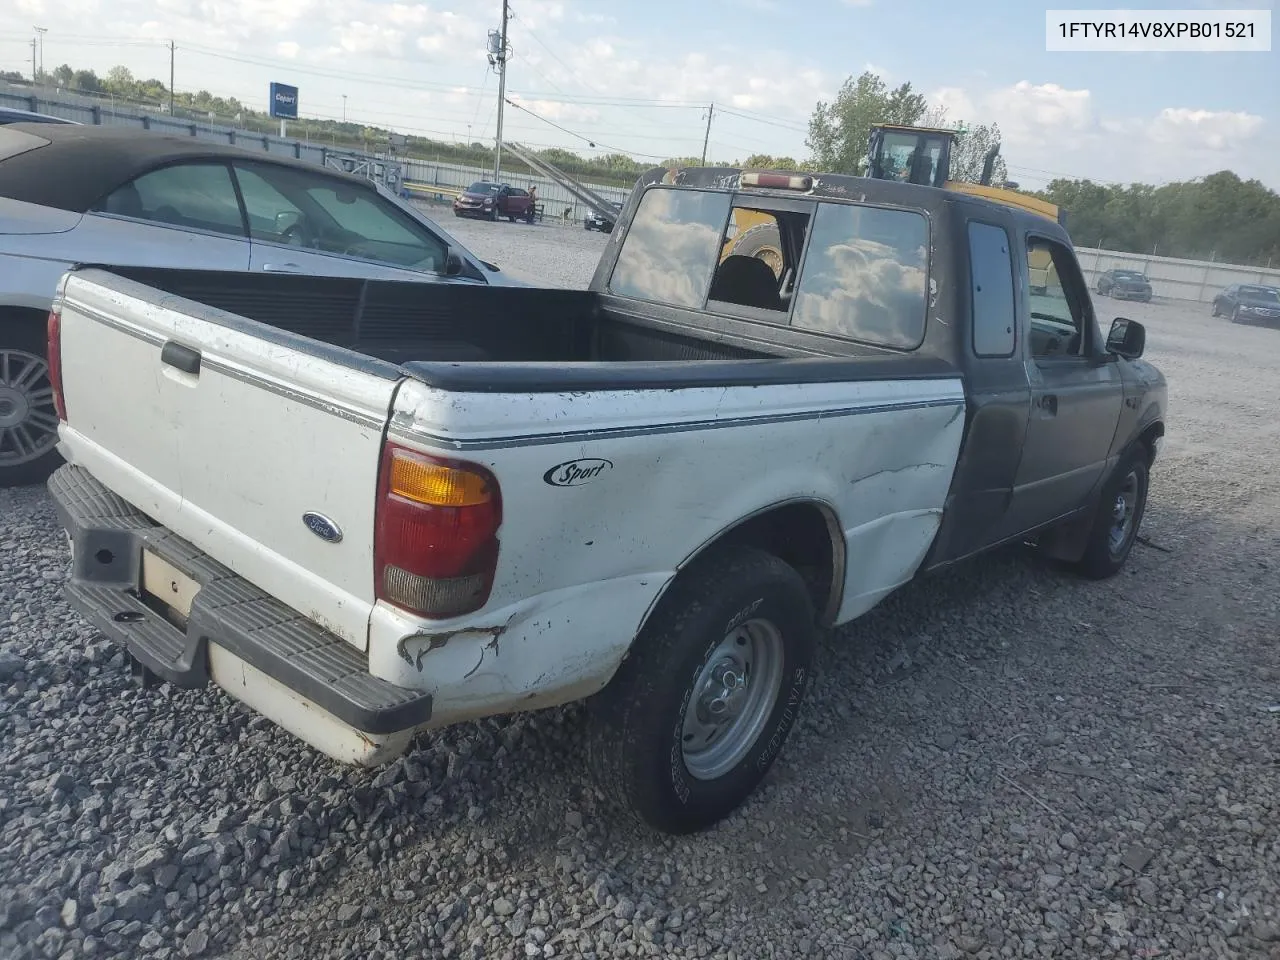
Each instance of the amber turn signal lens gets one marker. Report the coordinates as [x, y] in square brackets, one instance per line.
[434, 484]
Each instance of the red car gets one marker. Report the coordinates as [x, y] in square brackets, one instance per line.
[493, 200]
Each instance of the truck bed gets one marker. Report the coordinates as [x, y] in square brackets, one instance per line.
[503, 339]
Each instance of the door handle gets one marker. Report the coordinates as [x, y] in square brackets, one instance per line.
[1049, 404]
[281, 267]
[181, 358]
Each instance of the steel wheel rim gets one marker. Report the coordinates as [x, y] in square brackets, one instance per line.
[733, 696]
[1123, 510]
[28, 417]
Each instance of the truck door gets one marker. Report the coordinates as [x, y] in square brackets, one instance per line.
[1076, 389]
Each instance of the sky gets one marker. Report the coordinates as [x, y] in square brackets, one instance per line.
[638, 77]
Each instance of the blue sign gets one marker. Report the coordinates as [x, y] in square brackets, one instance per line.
[284, 101]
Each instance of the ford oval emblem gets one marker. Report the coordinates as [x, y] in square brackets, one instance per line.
[576, 472]
[322, 527]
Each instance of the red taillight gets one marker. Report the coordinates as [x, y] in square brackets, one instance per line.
[435, 545]
[54, 359]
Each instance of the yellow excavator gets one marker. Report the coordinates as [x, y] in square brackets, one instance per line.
[909, 154]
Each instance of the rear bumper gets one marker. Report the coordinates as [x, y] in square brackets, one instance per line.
[236, 636]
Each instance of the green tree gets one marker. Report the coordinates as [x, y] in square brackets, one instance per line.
[970, 151]
[838, 131]
[765, 161]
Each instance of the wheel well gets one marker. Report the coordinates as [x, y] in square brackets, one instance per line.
[22, 315]
[805, 535]
[1148, 438]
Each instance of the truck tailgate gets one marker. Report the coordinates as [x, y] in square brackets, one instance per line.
[254, 447]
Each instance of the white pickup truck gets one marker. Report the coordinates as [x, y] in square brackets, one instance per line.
[367, 508]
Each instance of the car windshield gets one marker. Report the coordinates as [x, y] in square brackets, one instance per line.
[481, 187]
[1129, 275]
[1267, 294]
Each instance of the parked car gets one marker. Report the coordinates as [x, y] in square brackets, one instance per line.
[109, 195]
[490, 201]
[595, 220]
[1248, 303]
[1125, 285]
[460, 501]
[8, 115]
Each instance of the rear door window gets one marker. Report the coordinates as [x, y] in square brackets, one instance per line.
[991, 284]
[865, 277]
[191, 196]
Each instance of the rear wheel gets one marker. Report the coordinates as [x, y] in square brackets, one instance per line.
[28, 418]
[1119, 517]
[699, 710]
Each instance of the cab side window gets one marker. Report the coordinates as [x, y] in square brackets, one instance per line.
[1056, 311]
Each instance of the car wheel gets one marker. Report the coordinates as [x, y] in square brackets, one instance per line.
[698, 711]
[28, 418]
[1213, 312]
[1120, 511]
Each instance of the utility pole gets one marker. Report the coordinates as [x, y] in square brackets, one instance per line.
[40, 32]
[707, 139]
[171, 49]
[501, 55]
[344, 108]
[34, 68]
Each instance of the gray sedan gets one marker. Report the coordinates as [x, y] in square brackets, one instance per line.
[83, 194]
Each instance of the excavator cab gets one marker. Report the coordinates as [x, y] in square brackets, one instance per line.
[910, 154]
[923, 155]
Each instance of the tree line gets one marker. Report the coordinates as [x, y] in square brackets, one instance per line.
[1219, 216]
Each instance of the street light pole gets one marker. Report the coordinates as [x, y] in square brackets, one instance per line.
[344, 108]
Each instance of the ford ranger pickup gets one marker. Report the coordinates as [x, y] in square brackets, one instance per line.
[367, 508]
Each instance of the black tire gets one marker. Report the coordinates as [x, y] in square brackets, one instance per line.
[22, 340]
[637, 737]
[762, 242]
[493, 214]
[1104, 556]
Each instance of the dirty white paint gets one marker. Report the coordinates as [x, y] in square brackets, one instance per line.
[301, 717]
[580, 566]
[232, 458]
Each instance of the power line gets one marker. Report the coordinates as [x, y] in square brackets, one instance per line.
[588, 140]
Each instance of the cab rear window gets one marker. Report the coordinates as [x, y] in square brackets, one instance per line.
[864, 276]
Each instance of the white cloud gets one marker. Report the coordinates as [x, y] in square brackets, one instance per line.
[1031, 107]
[1050, 130]
[287, 48]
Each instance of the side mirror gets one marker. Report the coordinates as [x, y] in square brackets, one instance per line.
[1128, 338]
[452, 263]
[287, 219]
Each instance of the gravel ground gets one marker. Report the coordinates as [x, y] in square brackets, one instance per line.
[999, 762]
[544, 253]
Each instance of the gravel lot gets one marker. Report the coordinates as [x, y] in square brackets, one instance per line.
[999, 762]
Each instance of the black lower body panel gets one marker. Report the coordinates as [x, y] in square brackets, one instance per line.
[109, 537]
